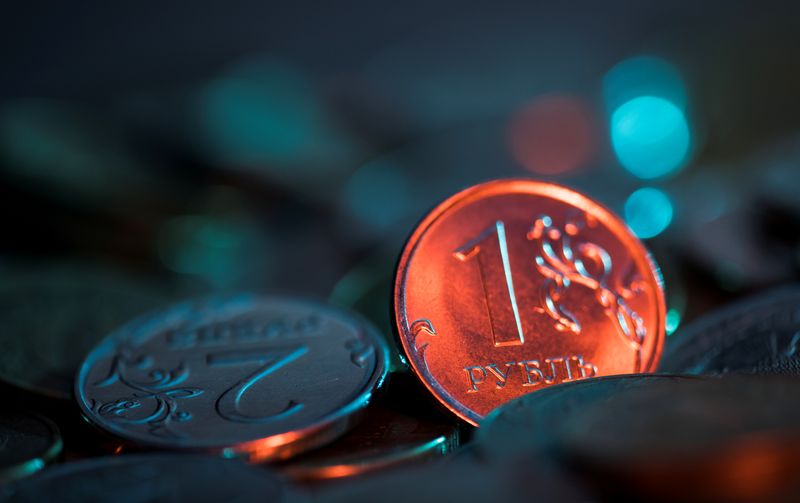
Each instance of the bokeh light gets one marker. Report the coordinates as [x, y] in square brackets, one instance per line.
[643, 76]
[222, 250]
[379, 193]
[262, 112]
[554, 134]
[650, 136]
[66, 151]
[648, 212]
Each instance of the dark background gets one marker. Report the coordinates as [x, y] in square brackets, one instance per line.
[202, 146]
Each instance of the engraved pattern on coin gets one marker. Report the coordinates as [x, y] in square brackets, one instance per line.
[528, 284]
[236, 373]
[588, 264]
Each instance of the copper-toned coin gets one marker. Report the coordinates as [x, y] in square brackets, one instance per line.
[514, 285]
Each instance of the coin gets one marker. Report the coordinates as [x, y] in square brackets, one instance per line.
[262, 377]
[399, 429]
[732, 438]
[53, 315]
[149, 478]
[27, 443]
[759, 334]
[458, 478]
[514, 285]
[529, 424]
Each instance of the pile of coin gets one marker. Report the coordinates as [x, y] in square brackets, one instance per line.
[529, 326]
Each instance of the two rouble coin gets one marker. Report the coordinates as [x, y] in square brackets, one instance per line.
[265, 378]
[515, 285]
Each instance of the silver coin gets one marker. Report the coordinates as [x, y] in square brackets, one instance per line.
[150, 478]
[27, 442]
[530, 424]
[760, 335]
[261, 377]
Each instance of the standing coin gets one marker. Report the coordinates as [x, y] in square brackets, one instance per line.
[733, 438]
[150, 478]
[27, 442]
[262, 377]
[53, 316]
[514, 285]
[757, 335]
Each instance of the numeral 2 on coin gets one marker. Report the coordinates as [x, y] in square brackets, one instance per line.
[229, 402]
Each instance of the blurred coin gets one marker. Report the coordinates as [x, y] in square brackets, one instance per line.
[402, 427]
[150, 478]
[529, 424]
[515, 285]
[27, 442]
[759, 334]
[262, 377]
[458, 478]
[52, 316]
[734, 438]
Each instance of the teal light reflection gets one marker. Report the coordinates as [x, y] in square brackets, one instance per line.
[648, 212]
[219, 250]
[261, 112]
[643, 76]
[672, 321]
[379, 193]
[650, 136]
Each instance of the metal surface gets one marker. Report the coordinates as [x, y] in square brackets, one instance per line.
[713, 439]
[27, 443]
[401, 428]
[760, 334]
[460, 477]
[56, 314]
[513, 285]
[262, 377]
[150, 478]
[529, 425]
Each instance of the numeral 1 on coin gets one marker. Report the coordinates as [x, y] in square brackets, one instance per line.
[497, 283]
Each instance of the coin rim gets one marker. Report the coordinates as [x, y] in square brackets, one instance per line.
[321, 431]
[518, 186]
[37, 462]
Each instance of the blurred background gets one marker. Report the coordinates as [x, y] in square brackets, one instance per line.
[182, 148]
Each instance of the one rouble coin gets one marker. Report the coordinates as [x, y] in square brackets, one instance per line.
[265, 378]
[515, 285]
